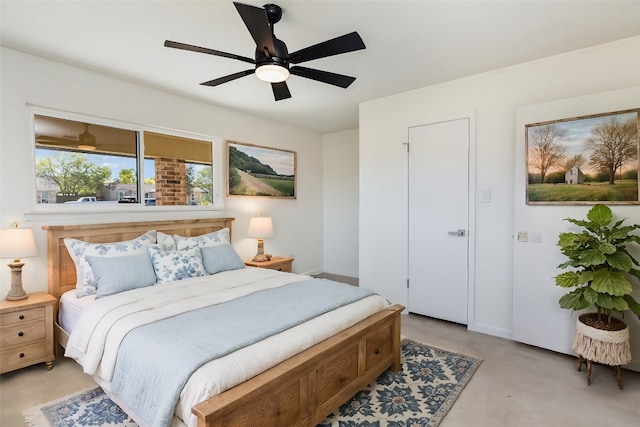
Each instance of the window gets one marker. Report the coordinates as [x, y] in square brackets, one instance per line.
[183, 169]
[82, 162]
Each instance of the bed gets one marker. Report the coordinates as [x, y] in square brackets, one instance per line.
[298, 391]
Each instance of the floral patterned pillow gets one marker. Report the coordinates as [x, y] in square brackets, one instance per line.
[166, 242]
[216, 238]
[170, 266]
[79, 250]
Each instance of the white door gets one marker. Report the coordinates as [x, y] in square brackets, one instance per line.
[438, 223]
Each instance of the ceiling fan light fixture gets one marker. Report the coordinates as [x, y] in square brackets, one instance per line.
[86, 140]
[272, 73]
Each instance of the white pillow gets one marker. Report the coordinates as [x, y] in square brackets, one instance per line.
[170, 266]
[165, 241]
[79, 250]
[216, 238]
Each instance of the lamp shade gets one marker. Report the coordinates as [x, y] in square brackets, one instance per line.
[260, 227]
[17, 243]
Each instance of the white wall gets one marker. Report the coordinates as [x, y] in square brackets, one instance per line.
[340, 183]
[495, 96]
[28, 79]
[535, 264]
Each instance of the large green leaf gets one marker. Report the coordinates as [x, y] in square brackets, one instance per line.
[620, 261]
[607, 248]
[610, 282]
[600, 215]
[568, 240]
[633, 305]
[592, 257]
[612, 302]
[569, 279]
[622, 233]
[574, 300]
[590, 295]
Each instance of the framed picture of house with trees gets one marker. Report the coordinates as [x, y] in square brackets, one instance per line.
[260, 171]
[584, 160]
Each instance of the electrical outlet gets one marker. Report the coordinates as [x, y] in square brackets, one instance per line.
[523, 236]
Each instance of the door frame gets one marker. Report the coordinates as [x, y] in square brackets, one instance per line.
[471, 227]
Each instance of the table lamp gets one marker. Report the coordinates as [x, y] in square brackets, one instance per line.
[16, 243]
[260, 227]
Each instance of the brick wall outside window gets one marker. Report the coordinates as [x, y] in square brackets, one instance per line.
[171, 188]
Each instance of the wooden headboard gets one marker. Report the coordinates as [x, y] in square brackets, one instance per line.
[62, 271]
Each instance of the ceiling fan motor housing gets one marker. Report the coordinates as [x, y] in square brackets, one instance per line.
[280, 58]
[274, 12]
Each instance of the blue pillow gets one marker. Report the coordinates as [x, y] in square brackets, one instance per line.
[220, 258]
[121, 273]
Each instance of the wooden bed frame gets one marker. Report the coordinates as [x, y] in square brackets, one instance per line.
[302, 390]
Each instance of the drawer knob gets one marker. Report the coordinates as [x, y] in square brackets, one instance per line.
[376, 351]
[20, 334]
[21, 317]
[21, 355]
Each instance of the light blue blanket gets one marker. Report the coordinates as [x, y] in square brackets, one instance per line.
[156, 360]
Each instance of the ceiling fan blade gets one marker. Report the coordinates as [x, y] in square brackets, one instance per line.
[343, 44]
[184, 46]
[230, 77]
[323, 76]
[255, 18]
[280, 91]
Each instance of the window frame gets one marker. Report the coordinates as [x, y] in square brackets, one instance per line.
[217, 163]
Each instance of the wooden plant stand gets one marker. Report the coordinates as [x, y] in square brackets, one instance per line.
[589, 364]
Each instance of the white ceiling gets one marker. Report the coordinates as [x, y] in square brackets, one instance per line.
[410, 44]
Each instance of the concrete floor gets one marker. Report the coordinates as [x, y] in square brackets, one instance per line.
[516, 385]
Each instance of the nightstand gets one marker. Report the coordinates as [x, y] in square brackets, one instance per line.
[275, 263]
[26, 332]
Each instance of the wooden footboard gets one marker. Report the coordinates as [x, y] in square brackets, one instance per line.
[304, 389]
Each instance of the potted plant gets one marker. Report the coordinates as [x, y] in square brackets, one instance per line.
[603, 272]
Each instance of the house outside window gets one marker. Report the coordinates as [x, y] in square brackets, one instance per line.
[83, 162]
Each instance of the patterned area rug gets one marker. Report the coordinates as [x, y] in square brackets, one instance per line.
[421, 394]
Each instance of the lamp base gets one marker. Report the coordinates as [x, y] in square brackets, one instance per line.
[16, 292]
[261, 258]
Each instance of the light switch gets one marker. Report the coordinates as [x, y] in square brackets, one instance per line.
[536, 237]
[485, 196]
[523, 236]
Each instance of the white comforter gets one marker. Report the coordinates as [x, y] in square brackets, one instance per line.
[95, 340]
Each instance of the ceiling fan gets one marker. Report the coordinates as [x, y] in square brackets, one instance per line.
[84, 141]
[272, 59]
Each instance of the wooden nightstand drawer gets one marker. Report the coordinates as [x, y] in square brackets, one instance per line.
[21, 334]
[22, 356]
[22, 316]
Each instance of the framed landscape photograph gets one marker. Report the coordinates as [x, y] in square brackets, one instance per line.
[260, 171]
[584, 160]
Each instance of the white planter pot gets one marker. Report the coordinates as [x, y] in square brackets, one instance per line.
[609, 347]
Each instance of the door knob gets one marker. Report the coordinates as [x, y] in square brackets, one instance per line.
[458, 233]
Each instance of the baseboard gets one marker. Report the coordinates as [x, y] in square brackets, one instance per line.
[490, 330]
[310, 273]
[633, 366]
